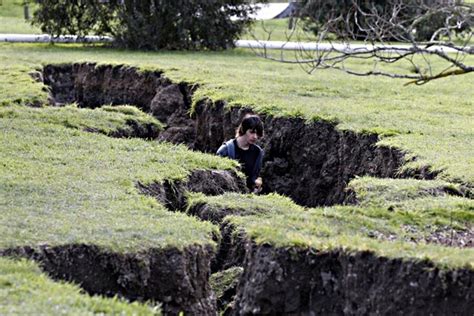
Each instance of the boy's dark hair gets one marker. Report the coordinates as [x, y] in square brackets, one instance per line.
[250, 122]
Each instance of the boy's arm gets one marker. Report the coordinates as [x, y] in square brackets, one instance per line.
[222, 151]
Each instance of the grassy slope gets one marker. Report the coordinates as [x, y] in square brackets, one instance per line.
[24, 290]
[61, 185]
[278, 221]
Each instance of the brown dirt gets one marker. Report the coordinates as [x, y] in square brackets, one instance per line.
[210, 182]
[176, 278]
[308, 282]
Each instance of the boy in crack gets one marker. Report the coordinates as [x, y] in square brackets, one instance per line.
[243, 148]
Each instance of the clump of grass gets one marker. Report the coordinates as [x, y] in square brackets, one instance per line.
[25, 290]
[415, 202]
[105, 120]
[242, 204]
[222, 280]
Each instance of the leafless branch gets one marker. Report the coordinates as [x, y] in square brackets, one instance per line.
[395, 33]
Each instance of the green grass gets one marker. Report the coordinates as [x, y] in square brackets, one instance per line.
[278, 221]
[25, 290]
[61, 185]
[432, 122]
[222, 280]
[105, 120]
[12, 18]
[278, 30]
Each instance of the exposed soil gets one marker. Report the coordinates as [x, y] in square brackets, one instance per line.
[210, 182]
[176, 278]
[312, 163]
[305, 282]
[136, 129]
[232, 245]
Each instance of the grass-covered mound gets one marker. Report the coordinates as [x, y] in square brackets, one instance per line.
[25, 290]
[61, 185]
[388, 229]
[431, 122]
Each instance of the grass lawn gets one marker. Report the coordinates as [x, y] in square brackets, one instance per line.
[432, 122]
[12, 18]
[61, 185]
[278, 30]
[25, 290]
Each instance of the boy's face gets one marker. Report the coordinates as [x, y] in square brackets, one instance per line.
[251, 136]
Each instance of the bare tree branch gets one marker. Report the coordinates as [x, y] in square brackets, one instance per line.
[431, 39]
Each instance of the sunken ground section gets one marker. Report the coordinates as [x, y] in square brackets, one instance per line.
[348, 262]
[310, 162]
[69, 200]
[353, 260]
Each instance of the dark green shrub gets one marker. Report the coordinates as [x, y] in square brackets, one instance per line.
[149, 24]
[181, 24]
[77, 17]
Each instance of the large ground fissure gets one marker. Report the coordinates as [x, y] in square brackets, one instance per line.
[310, 162]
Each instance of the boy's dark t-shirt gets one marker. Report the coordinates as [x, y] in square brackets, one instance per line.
[247, 159]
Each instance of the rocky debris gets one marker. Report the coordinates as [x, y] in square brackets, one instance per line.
[445, 236]
[451, 237]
